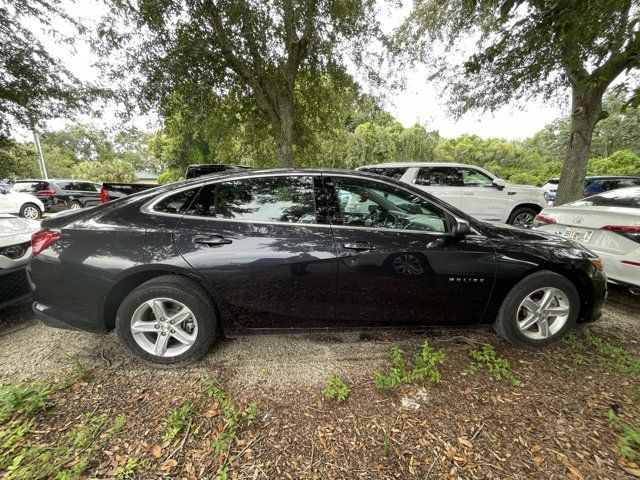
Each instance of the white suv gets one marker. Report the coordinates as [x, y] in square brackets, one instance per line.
[21, 204]
[471, 189]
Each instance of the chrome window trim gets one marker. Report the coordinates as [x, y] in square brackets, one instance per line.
[147, 208]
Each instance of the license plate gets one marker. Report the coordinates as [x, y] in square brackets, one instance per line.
[581, 235]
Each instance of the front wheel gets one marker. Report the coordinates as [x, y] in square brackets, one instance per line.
[75, 205]
[539, 310]
[30, 211]
[522, 217]
[167, 320]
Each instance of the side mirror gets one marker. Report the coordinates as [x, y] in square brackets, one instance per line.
[461, 228]
[499, 183]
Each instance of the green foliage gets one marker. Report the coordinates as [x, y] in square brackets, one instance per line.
[178, 421]
[425, 364]
[22, 398]
[17, 160]
[128, 470]
[623, 162]
[595, 346]
[233, 420]
[170, 176]
[629, 437]
[336, 388]
[486, 357]
[109, 171]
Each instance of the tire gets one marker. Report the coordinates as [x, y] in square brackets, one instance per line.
[513, 314]
[173, 292]
[75, 205]
[522, 217]
[30, 211]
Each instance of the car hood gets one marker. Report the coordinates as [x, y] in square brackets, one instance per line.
[523, 188]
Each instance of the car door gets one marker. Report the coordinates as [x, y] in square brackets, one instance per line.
[262, 247]
[442, 182]
[480, 198]
[398, 262]
[86, 193]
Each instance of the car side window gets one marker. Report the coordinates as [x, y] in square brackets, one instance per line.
[475, 178]
[65, 185]
[396, 172]
[370, 204]
[439, 176]
[288, 199]
[177, 204]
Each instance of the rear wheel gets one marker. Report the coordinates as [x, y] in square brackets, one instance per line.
[75, 205]
[30, 211]
[167, 320]
[539, 310]
[522, 217]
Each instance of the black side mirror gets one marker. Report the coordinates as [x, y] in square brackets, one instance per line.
[461, 228]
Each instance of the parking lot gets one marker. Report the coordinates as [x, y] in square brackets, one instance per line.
[552, 423]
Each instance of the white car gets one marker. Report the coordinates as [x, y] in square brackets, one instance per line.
[21, 204]
[15, 253]
[472, 189]
[607, 224]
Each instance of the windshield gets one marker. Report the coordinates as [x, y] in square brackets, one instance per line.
[627, 198]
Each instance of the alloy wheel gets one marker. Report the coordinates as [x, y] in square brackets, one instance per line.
[164, 327]
[407, 264]
[543, 313]
[75, 206]
[523, 220]
[32, 213]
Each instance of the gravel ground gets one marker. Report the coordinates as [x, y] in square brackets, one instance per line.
[32, 350]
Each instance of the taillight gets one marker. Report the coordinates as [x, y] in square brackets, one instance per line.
[632, 232]
[46, 193]
[104, 198]
[542, 220]
[43, 239]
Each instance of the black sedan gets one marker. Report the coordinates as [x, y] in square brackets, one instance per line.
[171, 267]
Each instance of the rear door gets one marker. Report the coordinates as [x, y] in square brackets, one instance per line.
[263, 247]
[398, 264]
[442, 182]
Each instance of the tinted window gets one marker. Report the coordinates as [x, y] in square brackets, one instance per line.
[83, 187]
[267, 199]
[439, 176]
[396, 173]
[475, 178]
[65, 185]
[30, 186]
[178, 203]
[371, 204]
[616, 198]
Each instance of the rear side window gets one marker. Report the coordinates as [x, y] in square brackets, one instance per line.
[265, 199]
[396, 172]
[439, 176]
[178, 203]
[31, 186]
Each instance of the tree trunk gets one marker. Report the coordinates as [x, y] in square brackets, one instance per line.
[283, 131]
[586, 108]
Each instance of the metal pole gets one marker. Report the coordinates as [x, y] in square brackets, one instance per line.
[43, 167]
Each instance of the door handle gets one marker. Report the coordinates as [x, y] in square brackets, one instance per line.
[359, 246]
[211, 241]
[469, 193]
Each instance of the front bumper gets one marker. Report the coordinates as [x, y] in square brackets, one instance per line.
[14, 287]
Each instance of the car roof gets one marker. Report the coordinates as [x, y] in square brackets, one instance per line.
[418, 164]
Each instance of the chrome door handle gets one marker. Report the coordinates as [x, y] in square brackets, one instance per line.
[469, 193]
[359, 246]
[211, 241]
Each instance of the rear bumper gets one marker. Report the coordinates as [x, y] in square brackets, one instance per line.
[57, 318]
[619, 272]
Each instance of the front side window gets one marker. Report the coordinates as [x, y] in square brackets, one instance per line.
[373, 205]
[439, 177]
[264, 199]
[475, 178]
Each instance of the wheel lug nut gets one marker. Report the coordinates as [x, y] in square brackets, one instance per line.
[171, 322]
[163, 333]
[173, 331]
[157, 326]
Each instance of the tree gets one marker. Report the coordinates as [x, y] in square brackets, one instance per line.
[34, 85]
[108, 171]
[17, 160]
[83, 141]
[253, 51]
[531, 48]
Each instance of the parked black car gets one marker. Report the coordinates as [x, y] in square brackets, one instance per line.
[61, 194]
[298, 250]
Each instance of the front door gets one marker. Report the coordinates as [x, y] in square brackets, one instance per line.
[399, 265]
[480, 198]
[261, 247]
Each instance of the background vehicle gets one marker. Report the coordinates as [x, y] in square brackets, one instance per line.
[592, 185]
[301, 249]
[608, 224]
[15, 253]
[111, 191]
[471, 189]
[21, 204]
[60, 194]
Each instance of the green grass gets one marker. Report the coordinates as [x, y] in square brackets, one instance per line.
[425, 364]
[629, 436]
[596, 346]
[486, 357]
[336, 388]
[178, 421]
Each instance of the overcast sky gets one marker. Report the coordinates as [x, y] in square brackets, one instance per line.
[419, 102]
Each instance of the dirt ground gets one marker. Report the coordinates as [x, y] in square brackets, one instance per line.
[553, 425]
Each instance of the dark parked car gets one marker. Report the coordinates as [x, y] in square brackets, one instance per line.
[298, 250]
[61, 194]
[592, 185]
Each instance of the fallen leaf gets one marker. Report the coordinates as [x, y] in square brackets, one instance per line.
[169, 464]
[156, 451]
